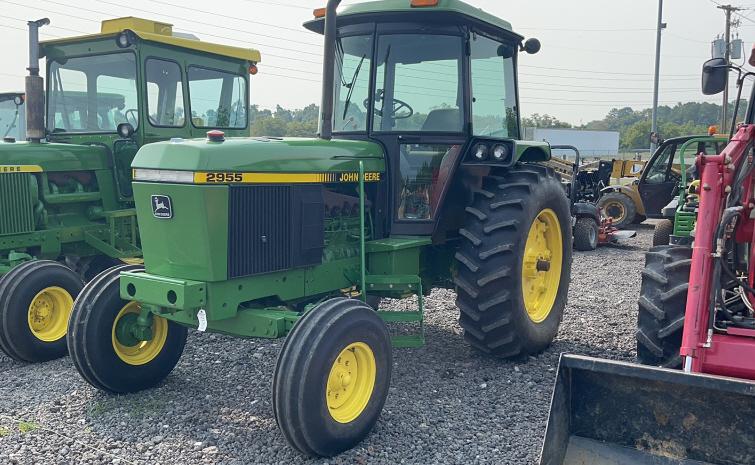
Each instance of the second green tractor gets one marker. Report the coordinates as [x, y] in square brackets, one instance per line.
[66, 199]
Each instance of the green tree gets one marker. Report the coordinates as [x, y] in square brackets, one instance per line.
[544, 121]
[269, 126]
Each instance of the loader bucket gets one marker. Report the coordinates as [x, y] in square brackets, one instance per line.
[615, 413]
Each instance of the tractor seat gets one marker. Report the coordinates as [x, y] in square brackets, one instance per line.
[443, 120]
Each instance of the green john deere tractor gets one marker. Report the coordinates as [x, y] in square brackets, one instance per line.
[66, 202]
[419, 179]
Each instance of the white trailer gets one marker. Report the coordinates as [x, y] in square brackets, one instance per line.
[591, 144]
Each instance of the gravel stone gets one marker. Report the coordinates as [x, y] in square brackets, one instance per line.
[447, 404]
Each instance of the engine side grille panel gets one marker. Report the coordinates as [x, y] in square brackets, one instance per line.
[16, 208]
[259, 229]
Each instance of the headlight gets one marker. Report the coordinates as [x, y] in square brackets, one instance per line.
[500, 152]
[142, 174]
[480, 152]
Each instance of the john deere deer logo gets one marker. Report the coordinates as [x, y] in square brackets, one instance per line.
[161, 207]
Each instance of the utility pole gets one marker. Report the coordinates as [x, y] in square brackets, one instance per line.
[728, 10]
[661, 26]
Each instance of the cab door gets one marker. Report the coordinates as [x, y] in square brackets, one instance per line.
[658, 183]
[418, 114]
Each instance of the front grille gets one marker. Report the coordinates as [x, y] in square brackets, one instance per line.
[272, 228]
[16, 207]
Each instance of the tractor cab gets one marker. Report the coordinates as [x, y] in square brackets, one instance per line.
[137, 82]
[428, 81]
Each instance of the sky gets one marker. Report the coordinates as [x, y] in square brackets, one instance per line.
[596, 54]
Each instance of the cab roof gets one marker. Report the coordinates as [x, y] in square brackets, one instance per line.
[404, 7]
[156, 31]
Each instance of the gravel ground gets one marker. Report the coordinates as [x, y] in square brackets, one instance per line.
[447, 403]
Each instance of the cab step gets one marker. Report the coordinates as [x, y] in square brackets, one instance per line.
[401, 284]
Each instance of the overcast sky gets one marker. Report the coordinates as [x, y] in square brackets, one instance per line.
[596, 54]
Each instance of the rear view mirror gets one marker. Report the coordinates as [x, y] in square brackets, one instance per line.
[531, 46]
[715, 76]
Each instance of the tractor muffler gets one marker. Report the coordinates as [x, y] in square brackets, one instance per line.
[616, 413]
[34, 86]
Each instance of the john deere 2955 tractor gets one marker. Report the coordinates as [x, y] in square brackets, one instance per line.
[66, 202]
[419, 179]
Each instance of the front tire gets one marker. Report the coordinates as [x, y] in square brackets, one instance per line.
[100, 348]
[662, 232]
[586, 232]
[619, 207]
[663, 299]
[514, 262]
[332, 377]
[36, 299]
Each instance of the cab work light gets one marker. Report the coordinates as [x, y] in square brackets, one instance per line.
[424, 3]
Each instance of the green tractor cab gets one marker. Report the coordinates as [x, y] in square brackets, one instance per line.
[66, 202]
[419, 180]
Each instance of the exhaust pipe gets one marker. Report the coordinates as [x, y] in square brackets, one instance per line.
[328, 71]
[35, 97]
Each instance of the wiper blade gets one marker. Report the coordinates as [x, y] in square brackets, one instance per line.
[351, 87]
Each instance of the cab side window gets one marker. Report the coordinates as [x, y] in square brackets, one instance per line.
[658, 171]
[218, 98]
[494, 111]
[165, 96]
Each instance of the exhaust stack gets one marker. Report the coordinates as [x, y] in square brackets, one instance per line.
[35, 97]
[328, 71]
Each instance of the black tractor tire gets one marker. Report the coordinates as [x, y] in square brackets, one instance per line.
[663, 297]
[619, 207]
[586, 232]
[91, 345]
[44, 291]
[662, 232]
[489, 280]
[304, 371]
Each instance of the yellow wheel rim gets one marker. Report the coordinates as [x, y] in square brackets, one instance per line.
[350, 382]
[615, 210]
[541, 265]
[141, 352]
[48, 313]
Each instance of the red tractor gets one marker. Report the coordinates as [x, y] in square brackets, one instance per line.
[694, 402]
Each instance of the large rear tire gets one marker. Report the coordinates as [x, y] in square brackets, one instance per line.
[36, 299]
[663, 298]
[514, 262]
[332, 377]
[99, 347]
[619, 207]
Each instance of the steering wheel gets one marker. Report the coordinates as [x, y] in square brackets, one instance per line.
[132, 117]
[396, 106]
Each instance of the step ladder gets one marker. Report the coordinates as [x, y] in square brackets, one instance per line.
[401, 284]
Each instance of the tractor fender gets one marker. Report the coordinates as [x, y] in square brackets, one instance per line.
[630, 191]
[587, 210]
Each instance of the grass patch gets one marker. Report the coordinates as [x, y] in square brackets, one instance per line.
[4, 431]
[27, 426]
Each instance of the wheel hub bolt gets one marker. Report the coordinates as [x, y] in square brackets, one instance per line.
[543, 265]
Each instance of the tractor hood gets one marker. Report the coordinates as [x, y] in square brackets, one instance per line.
[52, 156]
[259, 154]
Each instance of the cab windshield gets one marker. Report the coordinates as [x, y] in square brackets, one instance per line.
[93, 93]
